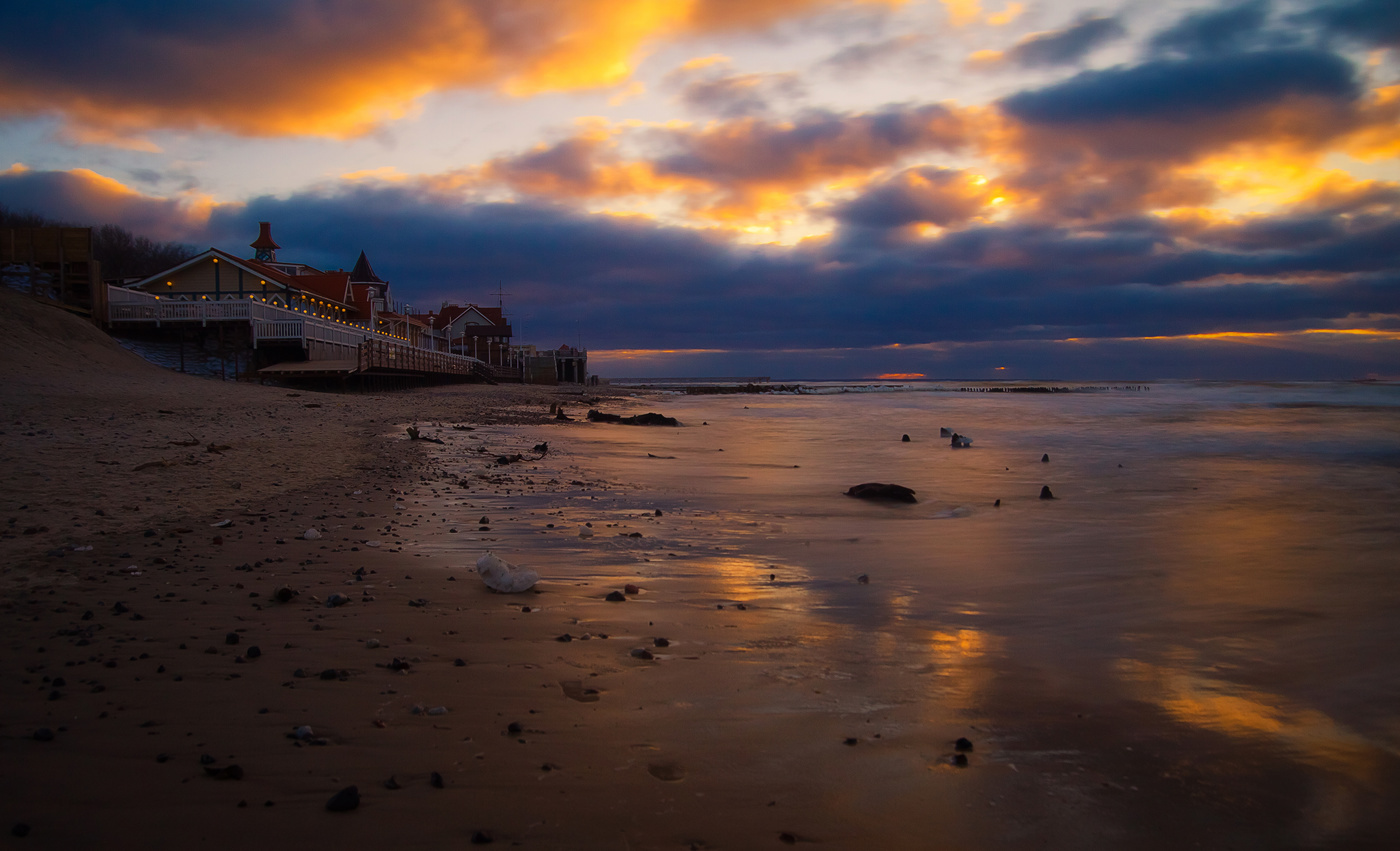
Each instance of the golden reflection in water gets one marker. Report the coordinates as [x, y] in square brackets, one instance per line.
[959, 661]
[1306, 734]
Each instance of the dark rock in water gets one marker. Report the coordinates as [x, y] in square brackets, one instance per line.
[435, 780]
[945, 432]
[631, 589]
[565, 637]
[541, 448]
[391, 784]
[484, 520]
[878, 491]
[658, 511]
[996, 504]
[851, 741]
[460, 663]
[651, 419]
[661, 642]
[345, 800]
[1045, 459]
[43, 734]
[863, 579]
[962, 744]
[20, 830]
[514, 728]
[563, 417]
[960, 760]
[481, 837]
[615, 597]
[1045, 492]
[253, 652]
[643, 654]
[283, 594]
[120, 609]
[904, 439]
[206, 759]
[330, 674]
[228, 772]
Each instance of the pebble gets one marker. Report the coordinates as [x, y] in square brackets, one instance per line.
[336, 600]
[642, 653]
[253, 652]
[660, 642]
[615, 597]
[631, 589]
[372, 644]
[345, 800]
[514, 728]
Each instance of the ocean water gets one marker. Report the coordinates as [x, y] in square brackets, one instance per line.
[1219, 570]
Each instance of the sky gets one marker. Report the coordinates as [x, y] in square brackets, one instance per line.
[976, 189]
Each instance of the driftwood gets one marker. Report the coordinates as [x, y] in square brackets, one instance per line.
[414, 435]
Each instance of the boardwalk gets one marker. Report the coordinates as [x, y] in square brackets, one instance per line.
[329, 348]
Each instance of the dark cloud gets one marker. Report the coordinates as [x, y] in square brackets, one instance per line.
[84, 197]
[1067, 46]
[1374, 22]
[1168, 91]
[938, 196]
[1215, 31]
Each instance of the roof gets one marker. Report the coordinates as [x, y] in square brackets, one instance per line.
[363, 273]
[331, 285]
[264, 239]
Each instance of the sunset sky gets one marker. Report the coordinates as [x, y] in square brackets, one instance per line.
[795, 188]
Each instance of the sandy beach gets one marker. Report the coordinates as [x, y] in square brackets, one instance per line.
[158, 693]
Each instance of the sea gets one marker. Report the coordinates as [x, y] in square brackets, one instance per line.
[1219, 566]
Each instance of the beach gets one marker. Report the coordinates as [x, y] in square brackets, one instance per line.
[1188, 647]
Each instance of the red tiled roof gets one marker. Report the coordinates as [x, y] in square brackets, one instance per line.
[331, 285]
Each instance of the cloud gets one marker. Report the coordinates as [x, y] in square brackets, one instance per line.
[1375, 22]
[84, 197]
[339, 69]
[923, 195]
[1067, 46]
[1166, 91]
[862, 56]
[991, 287]
[712, 87]
[1215, 31]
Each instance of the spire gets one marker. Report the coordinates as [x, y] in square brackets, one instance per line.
[363, 273]
[264, 245]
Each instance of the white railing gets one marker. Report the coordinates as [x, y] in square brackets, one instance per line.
[272, 323]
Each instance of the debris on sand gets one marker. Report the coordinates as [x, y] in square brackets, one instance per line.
[504, 577]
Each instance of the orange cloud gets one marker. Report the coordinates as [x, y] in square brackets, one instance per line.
[339, 70]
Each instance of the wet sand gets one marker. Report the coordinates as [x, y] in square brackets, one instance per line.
[757, 725]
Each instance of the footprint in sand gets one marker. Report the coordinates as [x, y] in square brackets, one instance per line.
[670, 772]
[574, 690]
